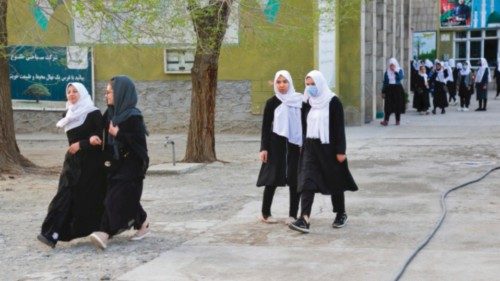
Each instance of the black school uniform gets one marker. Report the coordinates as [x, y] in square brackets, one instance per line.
[421, 100]
[281, 167]
[129, 158]
[320, 171]
[77, 207]
[282, 158]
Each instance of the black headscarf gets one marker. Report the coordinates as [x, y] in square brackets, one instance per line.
[125, 100]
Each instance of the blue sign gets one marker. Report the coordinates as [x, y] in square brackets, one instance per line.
[42, 73]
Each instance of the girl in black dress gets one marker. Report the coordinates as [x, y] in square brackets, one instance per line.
[393, 92]
[421, 95]
[482, 80]
[323, 165]
[465, 86]
[77, 207]
[280, 144]
[125, 143]
[440, 77]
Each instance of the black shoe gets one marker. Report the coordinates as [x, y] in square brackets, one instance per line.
[478, 109]
[300, 225]
[47, 241]
[434, 111]
[340, 220]
[443, 111]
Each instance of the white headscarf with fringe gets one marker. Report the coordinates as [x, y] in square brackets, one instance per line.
[287, 116]
[77, 112]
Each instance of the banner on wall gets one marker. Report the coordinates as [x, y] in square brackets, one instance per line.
[39, 75]
[455, 13]
[485, 13]
[424, 45]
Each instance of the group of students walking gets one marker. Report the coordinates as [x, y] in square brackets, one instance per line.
[303, 146]
[101, 182]
[442, 80]
[439, 81]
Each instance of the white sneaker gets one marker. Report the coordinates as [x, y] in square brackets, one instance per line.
[460, 109]
[99, 239]
[466, 109]
[142, 232]
[268, 219]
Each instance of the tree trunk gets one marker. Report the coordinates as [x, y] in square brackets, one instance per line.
[11, 160]
[201, 136]
[210, 24]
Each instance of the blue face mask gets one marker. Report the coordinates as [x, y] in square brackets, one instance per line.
[312, 91]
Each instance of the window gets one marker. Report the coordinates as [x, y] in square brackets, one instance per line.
[475, 34]
[179, 61]
[476, 44]
[491, 33]
[475, 49]
[461, 35]
[461, 50]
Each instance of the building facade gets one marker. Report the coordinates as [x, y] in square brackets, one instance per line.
[350, 43]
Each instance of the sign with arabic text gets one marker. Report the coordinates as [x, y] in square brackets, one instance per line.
[40, 74]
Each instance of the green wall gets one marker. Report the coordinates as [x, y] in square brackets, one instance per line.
[263, 47]
[348, 42]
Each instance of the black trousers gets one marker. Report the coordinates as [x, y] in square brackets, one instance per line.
[307, 199]
[267, 201]
[387, 115]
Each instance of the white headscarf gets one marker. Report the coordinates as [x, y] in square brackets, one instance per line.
[451, 62]
[392, 74]
[424, 75]
[466, 69]
[440, 73]
[287, 116]
[459, 66]
[428, 63]
[481, 70]
[77, 112]
[318, 119]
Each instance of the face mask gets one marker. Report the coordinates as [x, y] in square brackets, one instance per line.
[312, 91]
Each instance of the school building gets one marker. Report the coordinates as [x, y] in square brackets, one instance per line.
[349, 41]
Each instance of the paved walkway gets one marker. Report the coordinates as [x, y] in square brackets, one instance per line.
[401, 172]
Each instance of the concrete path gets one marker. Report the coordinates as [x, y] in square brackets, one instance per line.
[401, 171]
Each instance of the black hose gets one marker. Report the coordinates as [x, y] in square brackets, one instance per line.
[444, 211]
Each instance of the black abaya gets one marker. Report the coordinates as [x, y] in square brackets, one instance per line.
[123, 209]
[77, 208]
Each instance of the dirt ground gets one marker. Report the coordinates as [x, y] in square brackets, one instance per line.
[401, 172]
[169, 201]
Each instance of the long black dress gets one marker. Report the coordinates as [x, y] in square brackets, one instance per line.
[282, 156]
[320, 170]
[421, 100]
[130, 161]
[440, 99]
[77, 207]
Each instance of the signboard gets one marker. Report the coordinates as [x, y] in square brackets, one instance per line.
[456, 13]
[485, 13]
[39, 75]
[424, 45]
